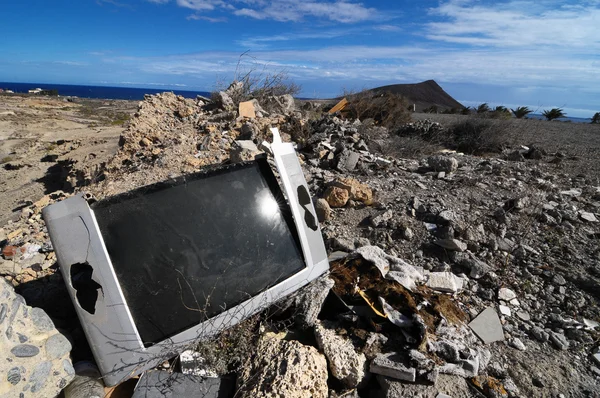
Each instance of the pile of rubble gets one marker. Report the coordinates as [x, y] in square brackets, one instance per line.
[452, 274]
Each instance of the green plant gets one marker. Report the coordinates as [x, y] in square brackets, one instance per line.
[466, 111]
[596, 118]
[6, 159]
[554, 113]
[483, 108]
[431, 109]
[476, 136]
[521, 112]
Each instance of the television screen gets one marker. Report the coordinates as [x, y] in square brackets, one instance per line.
[186, 250]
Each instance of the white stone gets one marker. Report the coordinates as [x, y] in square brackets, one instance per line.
[518, 344]
[597, 358]
[487, 326]
[444, 282]
[452, 244]
[572, 192]
[506, 294]
[389, 365]
[504, 310]
[588, 216]
[590, 324]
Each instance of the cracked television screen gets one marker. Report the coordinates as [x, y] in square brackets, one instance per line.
[185, 251]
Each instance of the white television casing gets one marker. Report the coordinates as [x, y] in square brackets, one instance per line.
[111, 331]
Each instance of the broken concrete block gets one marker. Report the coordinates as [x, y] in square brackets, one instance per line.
[452, 244]
[347, 160]
[444, 282]
[246, 109]
[345, 363]
[389, 365]
[487, 326]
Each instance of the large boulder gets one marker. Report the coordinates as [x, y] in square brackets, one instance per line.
[36, 360]
[284, 369]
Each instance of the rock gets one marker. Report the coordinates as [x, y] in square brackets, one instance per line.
[487, 326]
[345, 363]
[223, 100]
[309, 301]
[443, 163]
[323, 210]
[356, 190]
[390, 365]
[504, 310]
[517, 343]
[559, 340]
[444, 282]
[244, 151]
[559, 280]
[382, 218]
[282, 368]
[36, 362]
[574, 192]
[506, 294]
[452, 244]
[477, 268]
[596, 358]
[336, 197]
[590, 217]
[347, 160]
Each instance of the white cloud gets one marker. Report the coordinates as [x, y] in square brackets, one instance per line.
[344, 11]
[522, 24]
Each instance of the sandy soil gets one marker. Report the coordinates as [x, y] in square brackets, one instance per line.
[38, 133]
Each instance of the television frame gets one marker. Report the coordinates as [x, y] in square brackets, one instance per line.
[111, 331]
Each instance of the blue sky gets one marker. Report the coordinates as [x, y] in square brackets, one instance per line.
[537, 53]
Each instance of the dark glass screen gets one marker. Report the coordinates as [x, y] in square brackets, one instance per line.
[187, 250]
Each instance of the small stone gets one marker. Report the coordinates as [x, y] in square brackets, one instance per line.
[347, 160]
[68, 367]
[25, 351]
[596, 358]
[524, 316]
[382, 218]
[57, 346]
[504, 310]
[590, 217]
[559, 340]
[145, 142]
[487, 326]
[559, 280]
[40, 375]
[506, 294]
[443, 163]
[518, 344]
[444, 282]
[323, 210]
[14, 376]
[389, 365]
[41, 320]
[452, 244]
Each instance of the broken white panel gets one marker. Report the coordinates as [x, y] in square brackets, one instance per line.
[445, 282]
[487, 326]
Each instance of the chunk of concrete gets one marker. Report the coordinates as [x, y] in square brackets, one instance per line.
[389, 365]
[247, 109]
[487, 326]
[445, 282]
[506, 294]
[452, 244]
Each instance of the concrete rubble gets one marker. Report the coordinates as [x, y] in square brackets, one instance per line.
[451, 274]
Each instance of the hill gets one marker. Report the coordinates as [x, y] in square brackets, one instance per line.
[423, 95]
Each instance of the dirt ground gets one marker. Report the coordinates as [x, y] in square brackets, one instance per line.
[38, 133]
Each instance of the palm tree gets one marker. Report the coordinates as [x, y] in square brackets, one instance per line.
[521, 112]
[596, 118]
[554, 113]
[483, 108]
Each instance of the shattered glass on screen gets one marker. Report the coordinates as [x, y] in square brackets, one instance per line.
[185, 252]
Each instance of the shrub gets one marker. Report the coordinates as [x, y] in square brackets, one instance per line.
[554, 113]
[476, 136]
[521, 112]
[596, 118]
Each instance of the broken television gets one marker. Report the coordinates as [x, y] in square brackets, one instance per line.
[153, 270]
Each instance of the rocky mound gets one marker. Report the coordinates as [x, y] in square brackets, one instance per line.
[423, 95]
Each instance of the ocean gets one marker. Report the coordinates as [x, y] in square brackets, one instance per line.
[105, 92]
[562, 119]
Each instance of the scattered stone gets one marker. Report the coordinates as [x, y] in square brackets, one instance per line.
[382, 218]
[444, 282]
[487, 326]
[506, 294]
[452, 244]
[517, 343]
[504, 310]
[347, 160]
[390, 365]
[244, 151]
[336, 197]
[323, 210]
[443, 163]
[524, 316]
[590, 217]
[559, 340]
[345, 363]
